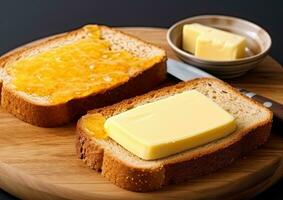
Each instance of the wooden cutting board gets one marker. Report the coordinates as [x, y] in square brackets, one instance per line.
[40, 163]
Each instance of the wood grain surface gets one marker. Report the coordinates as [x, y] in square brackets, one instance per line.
[40, 163]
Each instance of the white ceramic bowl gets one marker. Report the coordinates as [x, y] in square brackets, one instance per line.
[258, 44]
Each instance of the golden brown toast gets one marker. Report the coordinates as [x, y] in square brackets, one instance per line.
[132, 173]
[40, 111]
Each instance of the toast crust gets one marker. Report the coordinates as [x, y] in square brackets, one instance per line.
[144, 179]
[45, 115]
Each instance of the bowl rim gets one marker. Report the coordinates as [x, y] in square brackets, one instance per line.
[213, 62]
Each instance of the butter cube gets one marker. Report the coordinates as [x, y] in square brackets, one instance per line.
[169, 126]
[220, 45]
[190, 34]
[213, 44]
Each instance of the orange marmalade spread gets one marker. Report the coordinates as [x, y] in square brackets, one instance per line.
[94, 124]
[76, 69]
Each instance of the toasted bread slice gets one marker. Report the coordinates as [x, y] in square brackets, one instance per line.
[40, 111]
[132, 173]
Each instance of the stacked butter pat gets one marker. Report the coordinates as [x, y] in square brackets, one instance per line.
[212, 44]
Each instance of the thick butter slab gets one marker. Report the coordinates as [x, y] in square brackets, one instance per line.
[171, 125]
[212, 44]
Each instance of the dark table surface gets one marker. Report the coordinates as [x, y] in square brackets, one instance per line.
[24, 21]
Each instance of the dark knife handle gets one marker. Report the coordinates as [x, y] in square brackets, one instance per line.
[274, 106]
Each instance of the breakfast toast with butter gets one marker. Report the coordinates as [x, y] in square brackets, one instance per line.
[130, 172]
[56, 80]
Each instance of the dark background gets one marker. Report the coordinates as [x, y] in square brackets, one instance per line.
[22, 21]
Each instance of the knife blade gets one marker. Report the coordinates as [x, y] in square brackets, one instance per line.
[184, 71]
[187, 72]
